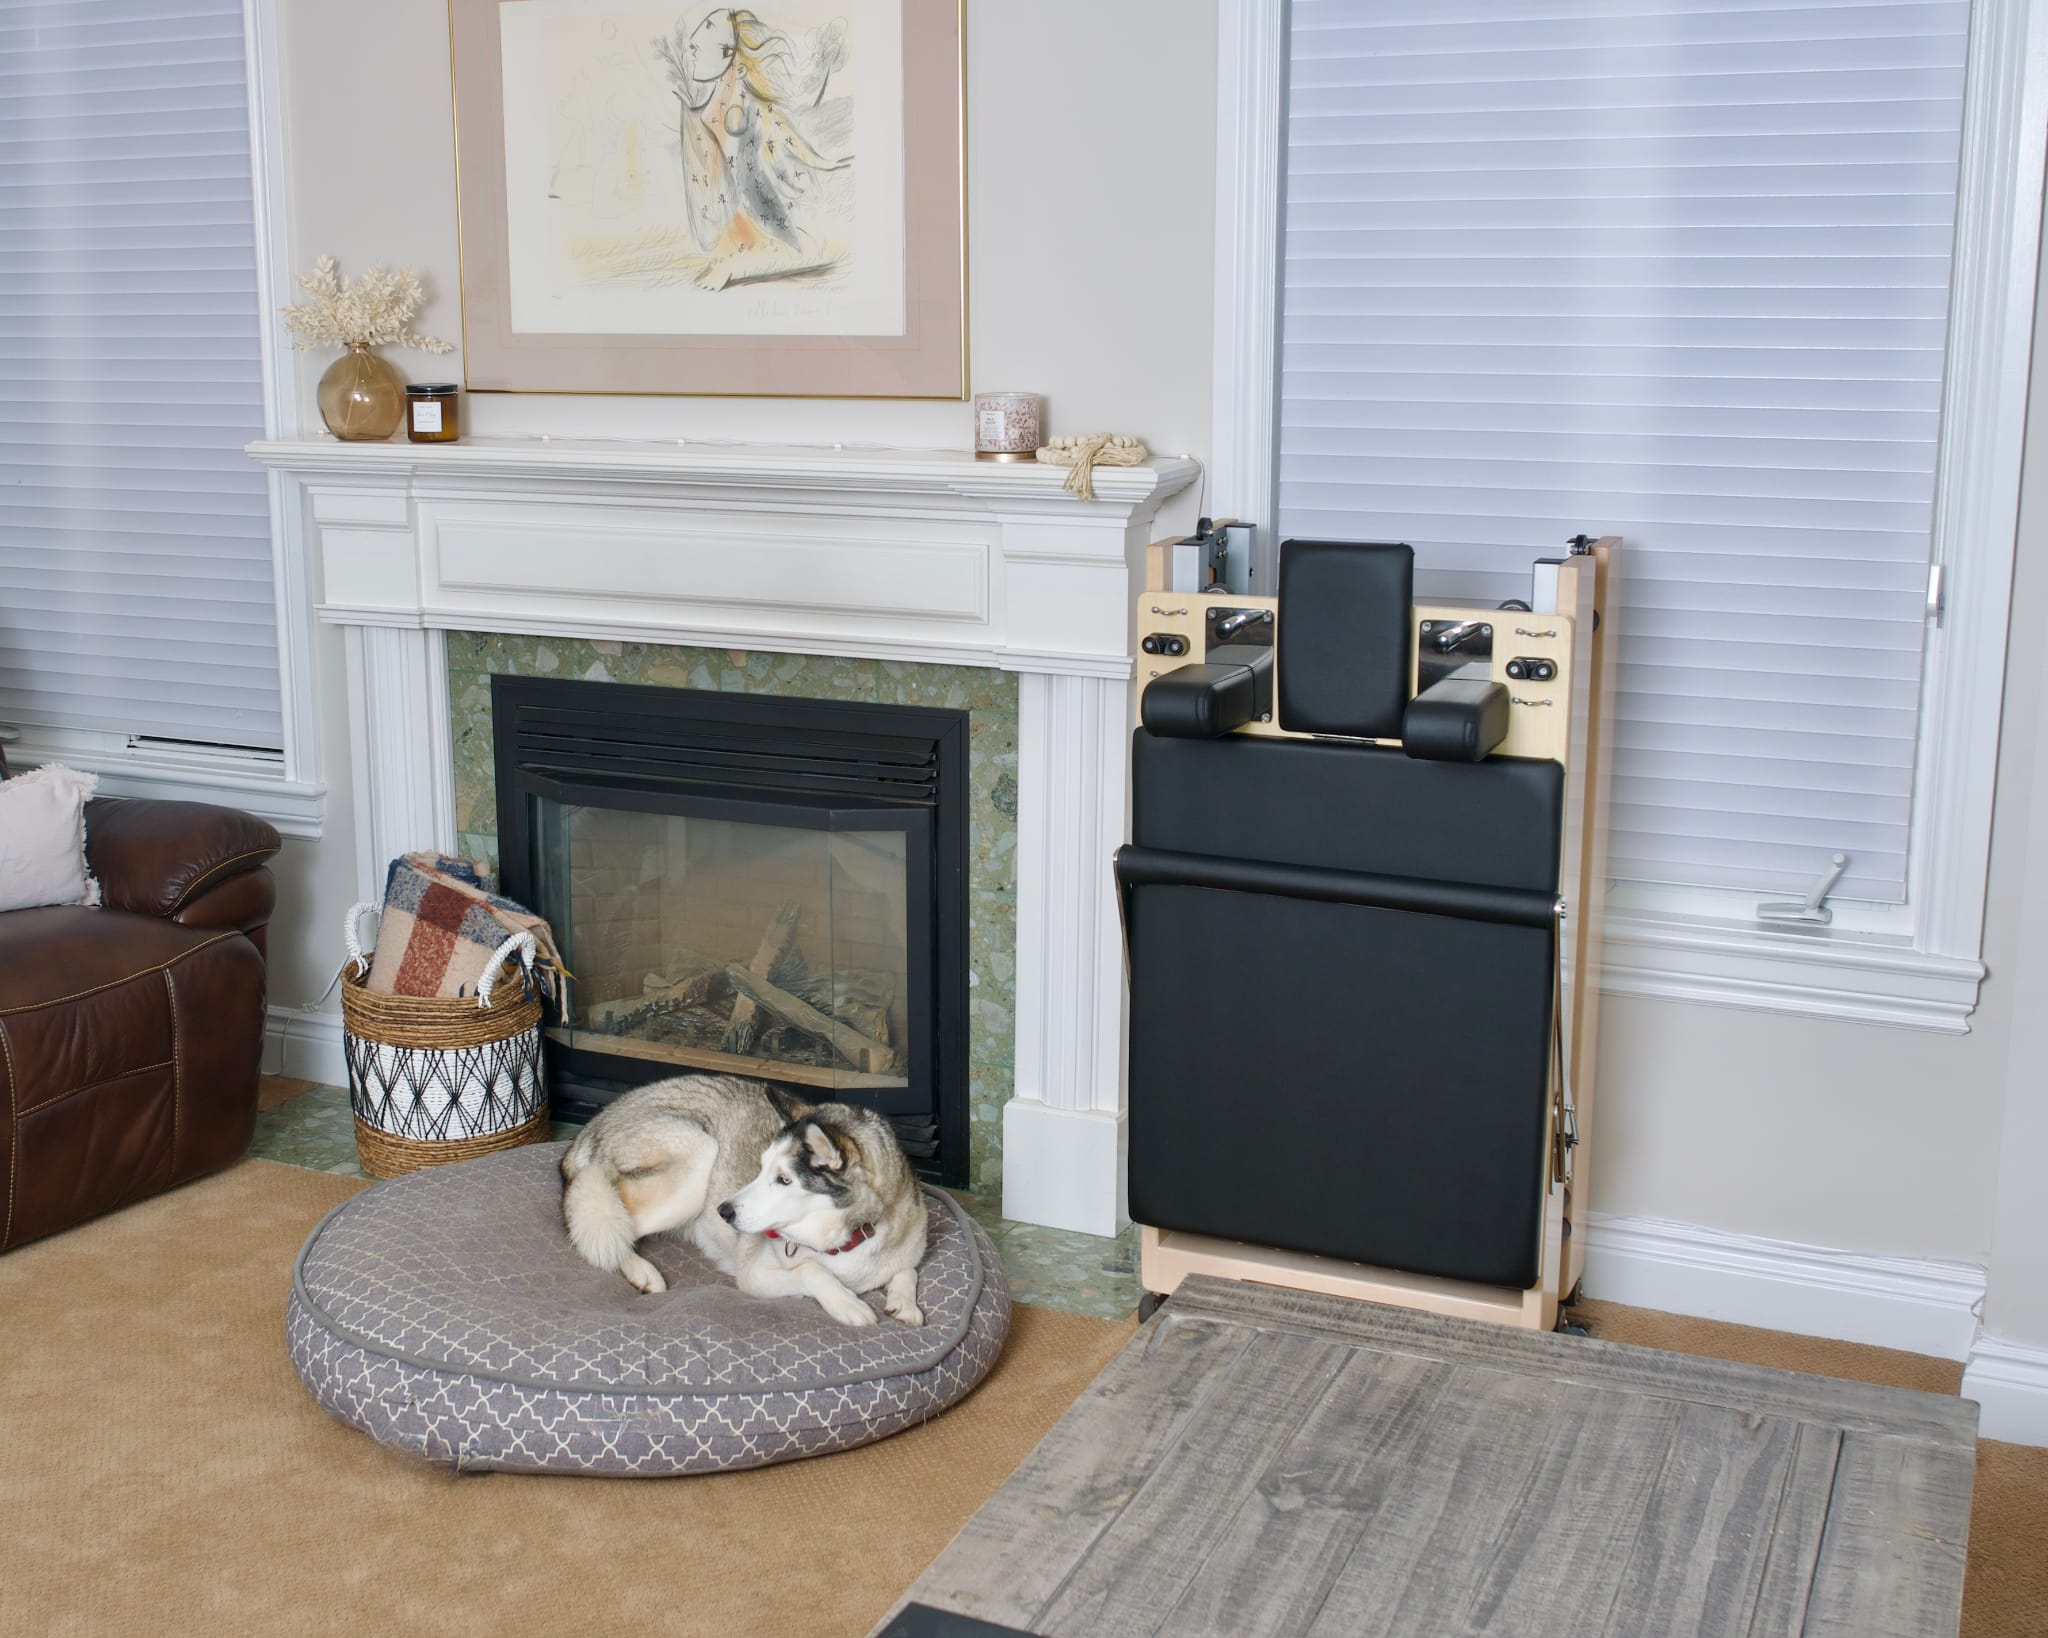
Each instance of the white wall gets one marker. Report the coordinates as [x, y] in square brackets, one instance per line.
[1091, 210]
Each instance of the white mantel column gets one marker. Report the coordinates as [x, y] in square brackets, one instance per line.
[398, 746]
[398, 728]
[1064, 1131]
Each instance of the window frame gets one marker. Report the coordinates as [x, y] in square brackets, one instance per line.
[1918, 965]
[285, 788]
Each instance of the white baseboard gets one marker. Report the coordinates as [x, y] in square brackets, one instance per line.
[2009, 1381]
[305, 1044]
[1063, 1167]
[1682, 1268]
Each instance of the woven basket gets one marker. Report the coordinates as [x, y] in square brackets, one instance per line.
[433, 1080]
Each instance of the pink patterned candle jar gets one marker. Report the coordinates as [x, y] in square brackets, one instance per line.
[1008, 426]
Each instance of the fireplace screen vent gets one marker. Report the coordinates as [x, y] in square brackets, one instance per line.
[758, 886]
[730, 756]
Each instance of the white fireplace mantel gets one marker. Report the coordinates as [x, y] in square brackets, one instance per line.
[918, 555]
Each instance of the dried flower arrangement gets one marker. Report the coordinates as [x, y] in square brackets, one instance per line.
[375, 310]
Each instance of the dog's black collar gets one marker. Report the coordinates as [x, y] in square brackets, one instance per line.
[865, 1232]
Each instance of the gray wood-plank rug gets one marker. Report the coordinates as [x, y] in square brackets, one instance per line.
[1259, 1461]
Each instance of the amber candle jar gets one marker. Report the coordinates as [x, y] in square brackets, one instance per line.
[430, 412]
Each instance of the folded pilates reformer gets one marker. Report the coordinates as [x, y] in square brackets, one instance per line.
[1361, 908]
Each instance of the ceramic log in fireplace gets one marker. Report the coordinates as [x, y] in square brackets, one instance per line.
[755, 886]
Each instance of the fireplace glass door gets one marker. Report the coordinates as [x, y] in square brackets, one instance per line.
[771, 887]
[766, 939]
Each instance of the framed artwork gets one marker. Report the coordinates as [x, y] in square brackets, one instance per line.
[727, 200]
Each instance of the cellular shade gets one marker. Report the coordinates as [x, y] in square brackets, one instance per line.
[1672, 271]
[136, 583]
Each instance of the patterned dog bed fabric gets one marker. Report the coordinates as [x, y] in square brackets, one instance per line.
[446, 1314]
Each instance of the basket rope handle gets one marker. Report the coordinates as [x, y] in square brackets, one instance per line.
[520, 943]
[348, 935]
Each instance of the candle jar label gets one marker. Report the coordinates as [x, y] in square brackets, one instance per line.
[1007, 423]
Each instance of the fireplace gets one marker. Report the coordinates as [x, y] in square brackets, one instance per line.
[921, 578]
[755, 885]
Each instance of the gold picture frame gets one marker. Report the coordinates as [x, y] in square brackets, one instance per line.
[712, 200]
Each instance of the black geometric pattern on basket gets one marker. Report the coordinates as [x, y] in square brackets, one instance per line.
[436, 1093]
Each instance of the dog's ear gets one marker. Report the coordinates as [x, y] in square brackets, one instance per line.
[822, 1146]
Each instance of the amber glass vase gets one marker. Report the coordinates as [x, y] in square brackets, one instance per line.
[361, 396]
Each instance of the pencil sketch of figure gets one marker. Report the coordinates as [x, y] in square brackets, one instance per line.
[763, 201]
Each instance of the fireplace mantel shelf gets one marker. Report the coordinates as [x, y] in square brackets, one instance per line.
[893, 554]
[701, 463]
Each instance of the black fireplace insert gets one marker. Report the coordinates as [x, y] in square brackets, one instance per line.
[749, 885]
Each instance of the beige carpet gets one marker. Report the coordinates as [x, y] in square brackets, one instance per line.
[162, 1471]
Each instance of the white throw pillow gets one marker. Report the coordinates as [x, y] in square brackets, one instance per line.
[42, 839]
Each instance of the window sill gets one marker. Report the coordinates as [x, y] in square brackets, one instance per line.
[1832, 972]
[254, 783]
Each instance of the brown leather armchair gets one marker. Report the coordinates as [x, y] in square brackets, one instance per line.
[131, 1035]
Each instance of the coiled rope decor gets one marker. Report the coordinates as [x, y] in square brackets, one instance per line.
[1090, 450]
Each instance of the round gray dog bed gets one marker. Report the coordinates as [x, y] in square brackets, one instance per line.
[446, 1314]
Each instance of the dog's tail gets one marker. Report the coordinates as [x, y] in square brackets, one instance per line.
[599, 1225]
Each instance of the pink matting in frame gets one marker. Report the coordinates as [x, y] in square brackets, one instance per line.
[759, 89]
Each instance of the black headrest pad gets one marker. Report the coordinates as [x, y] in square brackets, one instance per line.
[1346, 637]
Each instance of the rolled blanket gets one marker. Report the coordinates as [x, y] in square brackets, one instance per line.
[440, 928]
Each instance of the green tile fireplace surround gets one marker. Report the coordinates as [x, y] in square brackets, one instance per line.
[989, 697]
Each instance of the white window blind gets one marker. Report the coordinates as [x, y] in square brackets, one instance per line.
[135, 558]
[1676, 270]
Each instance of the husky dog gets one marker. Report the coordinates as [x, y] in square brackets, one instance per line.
[795, 1199]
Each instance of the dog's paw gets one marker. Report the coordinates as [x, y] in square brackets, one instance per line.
[852, 1311]
[899, 1297]
[643, 1275]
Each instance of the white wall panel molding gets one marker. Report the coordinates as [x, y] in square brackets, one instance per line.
[2009, 1381]
[304, 1043]
[1853, 978]
[1921, 1306]
[1064, 1167]
[255, 782]
[270, 175]
[1976, 517]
